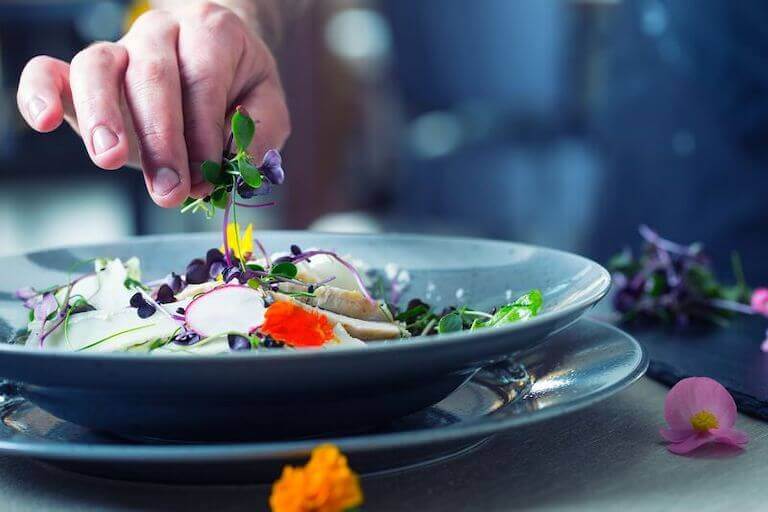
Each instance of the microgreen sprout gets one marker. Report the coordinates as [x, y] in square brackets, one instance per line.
[671, 282]
[237, 175]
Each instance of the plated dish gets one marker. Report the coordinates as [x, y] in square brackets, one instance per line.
[220, 304]
[268, 393]
[576, 368]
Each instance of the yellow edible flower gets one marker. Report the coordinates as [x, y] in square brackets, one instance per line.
[325, 484]
[241, 245]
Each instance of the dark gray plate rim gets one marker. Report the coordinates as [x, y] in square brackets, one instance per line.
[425, 343]
[364, 443]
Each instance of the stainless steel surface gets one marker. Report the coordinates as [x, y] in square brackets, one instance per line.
[606, 458]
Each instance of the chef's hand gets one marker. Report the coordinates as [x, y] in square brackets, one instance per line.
[159, 97]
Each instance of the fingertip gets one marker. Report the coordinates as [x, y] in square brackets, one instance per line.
[167, 187]
[113, 159]
[108, 150]
[44, 117]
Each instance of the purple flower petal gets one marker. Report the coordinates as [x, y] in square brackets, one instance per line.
[25, 293]
[272, 167]
[45, 307]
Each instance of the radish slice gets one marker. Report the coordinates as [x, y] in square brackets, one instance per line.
[230, 308]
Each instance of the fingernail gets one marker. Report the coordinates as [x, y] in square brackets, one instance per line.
[103, 139]
[164, 181]
[36, 106]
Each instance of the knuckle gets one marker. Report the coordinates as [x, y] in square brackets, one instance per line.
[155, 19]
[204, 9]
[150, 71]
[41, 61]
[221, 21]
[100, 57]
[153, 141]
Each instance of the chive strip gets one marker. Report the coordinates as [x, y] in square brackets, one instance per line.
[115, 335]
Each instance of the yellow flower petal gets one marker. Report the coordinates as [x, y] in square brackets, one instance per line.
[240, 244]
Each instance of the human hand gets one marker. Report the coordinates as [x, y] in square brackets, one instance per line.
[159, 97]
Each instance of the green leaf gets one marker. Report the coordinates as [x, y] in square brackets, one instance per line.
[532, 300]
[159, 342]
[254, 283]
[250, 173]
[450, 323]
[254, 266]
[624, 262]
[284, 269]
[701, 279]
[412, 313]
[478, 324]
[243, 129]
[220, 198]
[131, 283]
[658, 284]
[213, 173]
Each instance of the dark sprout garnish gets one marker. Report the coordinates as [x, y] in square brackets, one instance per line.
[175, 282]
[213, 255]
[143, 308]
[197, 272]
[238, 342]
[165, 295]
[674, 283]
[80, 305]
[270, 342]
[186, 338]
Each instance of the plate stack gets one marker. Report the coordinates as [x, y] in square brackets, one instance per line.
[388, 406]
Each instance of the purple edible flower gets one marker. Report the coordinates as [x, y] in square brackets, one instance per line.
[216, 268]
[272, 167]
[25, 293]
[45, 307]
[175, 282]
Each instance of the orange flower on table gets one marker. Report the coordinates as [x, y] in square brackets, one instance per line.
[295, 326]
[325, 484]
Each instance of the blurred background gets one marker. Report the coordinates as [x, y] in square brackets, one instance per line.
[557, 122]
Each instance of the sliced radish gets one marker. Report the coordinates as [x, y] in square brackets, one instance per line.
[230, 308]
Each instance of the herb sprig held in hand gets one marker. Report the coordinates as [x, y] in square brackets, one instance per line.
[236, 173]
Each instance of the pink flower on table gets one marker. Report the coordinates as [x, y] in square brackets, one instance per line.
[700, 410]
[759, 301]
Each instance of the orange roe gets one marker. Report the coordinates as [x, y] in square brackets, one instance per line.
[295, 326]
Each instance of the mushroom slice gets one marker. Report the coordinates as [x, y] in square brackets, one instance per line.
[344, 302]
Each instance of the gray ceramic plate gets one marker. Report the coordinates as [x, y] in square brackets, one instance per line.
[574, 369]
[285, 394]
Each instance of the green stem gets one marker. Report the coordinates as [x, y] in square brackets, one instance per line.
[738, 272]
[241, 256]
[115, 335]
